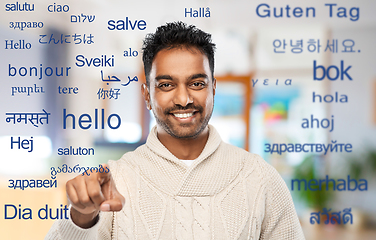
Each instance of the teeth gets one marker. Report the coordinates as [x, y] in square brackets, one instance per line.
[183, 115]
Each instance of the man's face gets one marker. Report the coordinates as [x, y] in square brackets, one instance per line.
[181, 92]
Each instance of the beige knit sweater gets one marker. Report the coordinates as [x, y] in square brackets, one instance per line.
[227, 193]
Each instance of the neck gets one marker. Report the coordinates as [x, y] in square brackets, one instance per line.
[182, 148]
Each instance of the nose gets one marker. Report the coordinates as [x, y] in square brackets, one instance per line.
[182, 96]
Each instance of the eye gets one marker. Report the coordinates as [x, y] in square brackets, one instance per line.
[165, 86]
[198, 85]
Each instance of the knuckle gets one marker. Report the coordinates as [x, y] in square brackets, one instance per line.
[85, 201]
[95, 193]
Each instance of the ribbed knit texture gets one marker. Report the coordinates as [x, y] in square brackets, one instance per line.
[227, 193]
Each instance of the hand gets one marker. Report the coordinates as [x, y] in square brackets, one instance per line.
[90, 194]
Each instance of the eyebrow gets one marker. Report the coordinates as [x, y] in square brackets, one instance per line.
[194, 76]
[160, 77]
[198, 75]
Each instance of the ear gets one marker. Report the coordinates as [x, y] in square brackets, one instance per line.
[145, 93]
[214, 86]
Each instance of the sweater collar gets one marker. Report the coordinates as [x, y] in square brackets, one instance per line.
[157, 147]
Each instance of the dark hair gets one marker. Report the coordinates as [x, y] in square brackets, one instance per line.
[176, 34]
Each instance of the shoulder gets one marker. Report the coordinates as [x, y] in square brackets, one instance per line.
[127, 163]
[254, 166]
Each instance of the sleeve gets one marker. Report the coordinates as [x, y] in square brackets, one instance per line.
[65, 229]
[281, 221]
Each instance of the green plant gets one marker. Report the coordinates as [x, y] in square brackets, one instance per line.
[364, 165]
[316, 199]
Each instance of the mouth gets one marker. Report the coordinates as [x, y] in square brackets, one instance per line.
[183, 115]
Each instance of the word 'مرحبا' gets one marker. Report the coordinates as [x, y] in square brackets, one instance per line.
[116, 79]
[12, 212]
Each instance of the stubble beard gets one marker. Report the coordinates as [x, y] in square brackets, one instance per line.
[170, 128]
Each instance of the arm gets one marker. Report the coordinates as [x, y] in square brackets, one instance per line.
[281, 221]
[89, 195]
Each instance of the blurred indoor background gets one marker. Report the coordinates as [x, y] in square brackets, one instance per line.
[265, 91]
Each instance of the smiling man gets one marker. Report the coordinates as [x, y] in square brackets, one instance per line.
[184, 183]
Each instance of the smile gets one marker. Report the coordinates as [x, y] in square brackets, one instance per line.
[183, 115]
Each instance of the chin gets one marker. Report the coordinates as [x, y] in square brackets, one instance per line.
[184, 134]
